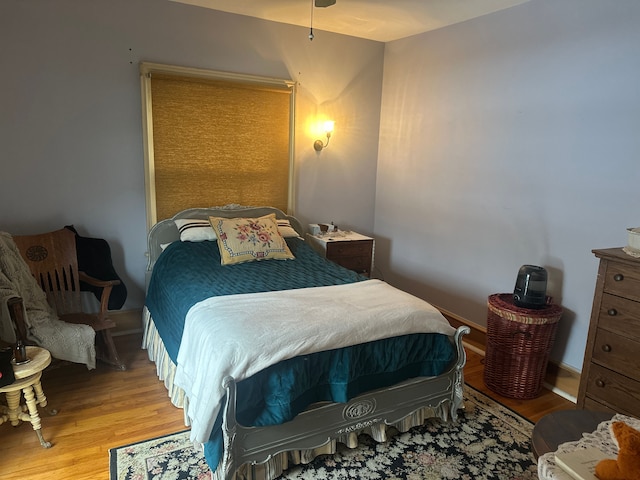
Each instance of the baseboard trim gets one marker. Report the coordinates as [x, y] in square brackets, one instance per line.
[127, 321]
[476, 340]
[560, 379]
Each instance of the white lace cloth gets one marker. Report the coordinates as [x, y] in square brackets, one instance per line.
[634, 252]
[601, 438]
[65, 341]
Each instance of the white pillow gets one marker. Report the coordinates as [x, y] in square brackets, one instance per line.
[195, 230]
[285, 229]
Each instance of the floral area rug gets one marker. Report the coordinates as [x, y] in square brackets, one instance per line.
[489, 441]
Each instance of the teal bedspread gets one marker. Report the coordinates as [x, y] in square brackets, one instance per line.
[187, 273]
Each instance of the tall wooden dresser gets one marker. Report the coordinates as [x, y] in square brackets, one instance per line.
[610, 378]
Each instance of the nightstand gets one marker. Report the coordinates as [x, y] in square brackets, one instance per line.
[349, 249]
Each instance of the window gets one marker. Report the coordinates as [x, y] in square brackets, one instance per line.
[214, 138]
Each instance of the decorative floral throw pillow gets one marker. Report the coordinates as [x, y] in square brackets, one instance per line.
[248, 239]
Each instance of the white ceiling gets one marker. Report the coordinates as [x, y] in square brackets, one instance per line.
[381, 20]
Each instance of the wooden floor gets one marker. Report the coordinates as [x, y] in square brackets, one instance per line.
[105, 408]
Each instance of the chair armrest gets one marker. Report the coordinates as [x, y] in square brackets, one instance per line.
[106, 285]
[97, 283]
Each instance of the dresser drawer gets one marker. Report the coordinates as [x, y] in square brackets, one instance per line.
[357, 264]
[618, 353]
[595, 406]
[622, 280]
[353, 248]
[613, 390]
[620, 316]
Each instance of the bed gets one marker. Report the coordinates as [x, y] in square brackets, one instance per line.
[292, 376]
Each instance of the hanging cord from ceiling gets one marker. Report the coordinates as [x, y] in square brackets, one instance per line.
[311, 23]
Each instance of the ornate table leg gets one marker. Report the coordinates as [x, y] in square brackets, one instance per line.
[40, 397]
[13, 407]
[34, 417]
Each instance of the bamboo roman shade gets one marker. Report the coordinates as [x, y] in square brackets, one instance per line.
[217, 142]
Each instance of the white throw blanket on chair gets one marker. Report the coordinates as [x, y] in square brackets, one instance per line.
[65, 341]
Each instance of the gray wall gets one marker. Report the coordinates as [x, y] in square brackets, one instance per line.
[506, 140]
[71, 129]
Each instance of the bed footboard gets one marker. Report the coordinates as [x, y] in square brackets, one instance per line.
[260, 451]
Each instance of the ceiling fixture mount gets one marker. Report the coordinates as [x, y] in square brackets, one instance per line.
[324, 3]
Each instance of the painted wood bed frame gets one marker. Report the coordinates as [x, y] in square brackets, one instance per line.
[265, 452]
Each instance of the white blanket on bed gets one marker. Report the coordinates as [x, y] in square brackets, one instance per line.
[239, 335]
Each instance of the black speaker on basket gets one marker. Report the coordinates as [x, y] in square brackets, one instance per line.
[531, 287]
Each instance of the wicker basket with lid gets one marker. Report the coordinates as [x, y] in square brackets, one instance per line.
[518, 344]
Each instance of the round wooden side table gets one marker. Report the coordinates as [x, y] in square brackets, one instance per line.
[27, 381]
[564, 426]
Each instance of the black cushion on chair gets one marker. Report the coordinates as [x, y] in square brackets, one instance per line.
[94, 258]
[6, 369]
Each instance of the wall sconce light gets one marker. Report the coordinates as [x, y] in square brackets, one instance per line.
[328, 130]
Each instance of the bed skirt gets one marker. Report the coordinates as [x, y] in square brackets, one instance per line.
[277, 464]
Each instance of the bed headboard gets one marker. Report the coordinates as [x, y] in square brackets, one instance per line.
[165, 231]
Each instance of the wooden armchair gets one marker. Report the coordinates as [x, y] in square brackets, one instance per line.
[53, 262]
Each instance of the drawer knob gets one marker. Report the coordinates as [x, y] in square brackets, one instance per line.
[612, 312]
[600, 383]
[606, 347]
[618, 277]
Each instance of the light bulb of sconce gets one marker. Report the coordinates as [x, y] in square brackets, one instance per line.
[328, 130]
